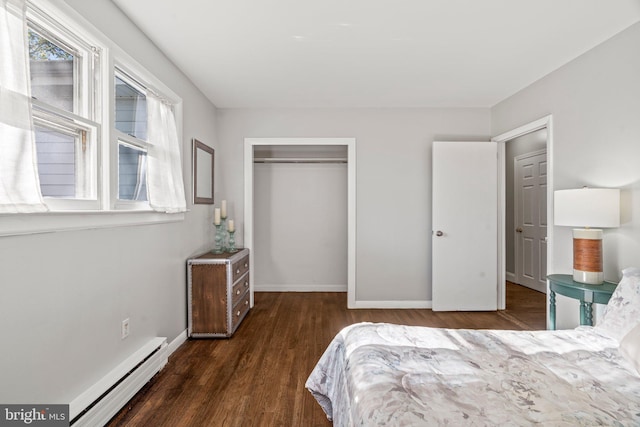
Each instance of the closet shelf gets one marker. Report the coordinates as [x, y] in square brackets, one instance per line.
[299, 160]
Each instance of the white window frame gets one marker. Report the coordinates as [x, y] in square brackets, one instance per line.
[109, 212]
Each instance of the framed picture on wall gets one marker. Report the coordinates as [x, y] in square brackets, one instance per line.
[203, 166]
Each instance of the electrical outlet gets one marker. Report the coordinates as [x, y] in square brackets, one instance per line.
[125, 328]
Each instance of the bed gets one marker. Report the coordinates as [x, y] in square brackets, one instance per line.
[375, 374]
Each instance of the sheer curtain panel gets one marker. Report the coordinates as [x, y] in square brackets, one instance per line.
[164, 167]
[19, 182]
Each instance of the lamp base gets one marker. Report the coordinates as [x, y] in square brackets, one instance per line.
[588, 277]
[587, 256]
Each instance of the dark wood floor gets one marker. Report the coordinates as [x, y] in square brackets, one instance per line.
[257, 377]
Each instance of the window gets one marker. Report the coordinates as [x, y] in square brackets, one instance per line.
[63, 78]
[52, 72]
[131, 108]
[149, 172]
[132, 172]
[90, 106]
[131, 130]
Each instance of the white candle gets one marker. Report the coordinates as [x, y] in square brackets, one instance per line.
[223, 209]
[216, 216]
[232, 227]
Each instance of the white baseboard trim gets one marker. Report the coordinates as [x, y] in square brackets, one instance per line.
[103, 400]
[392, 304]
[510, 276]
[177, 342]
[300, 288]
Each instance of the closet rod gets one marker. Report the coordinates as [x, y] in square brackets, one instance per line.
[299, 160]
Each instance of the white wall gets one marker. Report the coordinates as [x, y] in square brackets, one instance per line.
[65, 294]
[595, 103]
[393, 151]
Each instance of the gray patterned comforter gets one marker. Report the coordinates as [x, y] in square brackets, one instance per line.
[392, 375]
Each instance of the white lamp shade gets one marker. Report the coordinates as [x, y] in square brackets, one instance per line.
[587, 207]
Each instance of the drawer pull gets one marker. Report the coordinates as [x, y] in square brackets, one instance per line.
[246, 284]
[246, 302]
[246, 265]
[238, 292]
[238, 313]
[238, 271]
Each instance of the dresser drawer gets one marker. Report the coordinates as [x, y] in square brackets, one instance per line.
[238, 268]
[239, 289]
[239, 311]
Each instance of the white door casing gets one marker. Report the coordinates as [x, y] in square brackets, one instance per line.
[530, 174]
[465, 226]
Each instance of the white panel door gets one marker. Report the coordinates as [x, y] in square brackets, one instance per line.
[465, 226]
[531, 220]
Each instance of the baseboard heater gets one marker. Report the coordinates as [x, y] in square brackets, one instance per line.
[97, 405]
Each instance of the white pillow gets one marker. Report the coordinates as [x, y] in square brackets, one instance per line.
[622, 313]
[630, 347]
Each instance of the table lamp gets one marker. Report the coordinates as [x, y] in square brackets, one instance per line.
[587, 207]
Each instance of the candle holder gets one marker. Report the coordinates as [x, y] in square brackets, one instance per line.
[219, 239]
[223, 224]
[232, 242]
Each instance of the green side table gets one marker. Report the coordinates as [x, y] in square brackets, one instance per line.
[564, 284]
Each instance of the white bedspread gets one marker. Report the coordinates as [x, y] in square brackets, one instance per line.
[382, 374]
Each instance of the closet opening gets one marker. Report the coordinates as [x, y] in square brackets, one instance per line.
[300, 214]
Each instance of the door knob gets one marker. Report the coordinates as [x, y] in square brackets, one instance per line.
[519, 229]
[439, 233]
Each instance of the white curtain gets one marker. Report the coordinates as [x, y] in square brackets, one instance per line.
[19, 182]
[164, 167]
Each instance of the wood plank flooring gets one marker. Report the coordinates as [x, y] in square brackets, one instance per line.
[257, 377]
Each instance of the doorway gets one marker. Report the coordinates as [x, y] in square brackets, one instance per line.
[507, 230]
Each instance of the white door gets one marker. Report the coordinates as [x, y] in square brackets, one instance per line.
[465, 226]
[531, 220]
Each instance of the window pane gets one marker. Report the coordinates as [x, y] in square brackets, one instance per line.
[131, 110]
[132, 173]
[52, 72]
[56, 162]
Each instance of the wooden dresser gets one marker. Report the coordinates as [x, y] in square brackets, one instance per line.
[218, 293]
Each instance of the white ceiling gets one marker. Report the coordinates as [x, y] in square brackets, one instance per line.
[373, 53]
